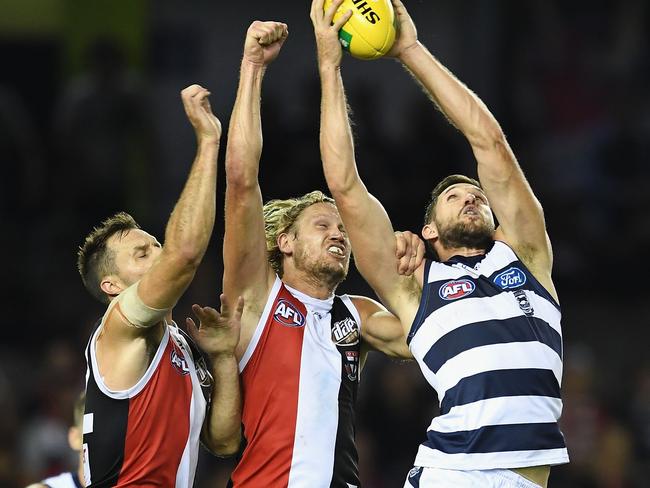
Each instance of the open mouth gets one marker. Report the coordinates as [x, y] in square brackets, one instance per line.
[470, 210]
[337, 251]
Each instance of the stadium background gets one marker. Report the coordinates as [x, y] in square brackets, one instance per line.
[91, 122]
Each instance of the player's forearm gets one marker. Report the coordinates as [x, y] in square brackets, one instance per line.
[458, 103]
[223, 428]
[336, 142]
[190, 224]
[245, 131]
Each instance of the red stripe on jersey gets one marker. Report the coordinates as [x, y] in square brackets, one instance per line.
[270, 384]
[158, 424]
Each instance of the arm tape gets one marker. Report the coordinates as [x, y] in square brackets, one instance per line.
[136, 312]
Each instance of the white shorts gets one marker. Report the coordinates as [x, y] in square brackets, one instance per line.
[420, 477]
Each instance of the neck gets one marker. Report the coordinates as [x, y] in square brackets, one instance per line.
[308, 284]
[444, 253]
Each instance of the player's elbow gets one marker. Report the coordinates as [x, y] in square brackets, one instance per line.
[488, 137]
[242, 169]
[185, 256]
[225, 446]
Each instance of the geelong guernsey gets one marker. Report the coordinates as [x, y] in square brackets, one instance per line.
[299, 379]
[149, 434]
[487, 337]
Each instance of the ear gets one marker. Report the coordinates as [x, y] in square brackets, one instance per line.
[430, 232]
[75, 438]
[111, 285]
[285, 243]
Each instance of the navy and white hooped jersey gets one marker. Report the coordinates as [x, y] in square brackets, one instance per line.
[299, 379]
[487, 337]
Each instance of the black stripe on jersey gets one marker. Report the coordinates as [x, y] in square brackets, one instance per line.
[477, 334]
[423, 310]
[498, 438]
[346, 458]
[106, 441]
[501, 383]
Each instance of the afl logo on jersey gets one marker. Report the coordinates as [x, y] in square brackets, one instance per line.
[179, 363]
[510, 278]
[453, 290]
[287, 314]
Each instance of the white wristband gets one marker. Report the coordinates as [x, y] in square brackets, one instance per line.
[136, 312]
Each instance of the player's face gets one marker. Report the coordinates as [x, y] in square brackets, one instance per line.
[135, 253]
[321, 246]
[463, 217]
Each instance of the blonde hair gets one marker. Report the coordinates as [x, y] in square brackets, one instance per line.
[279, 217]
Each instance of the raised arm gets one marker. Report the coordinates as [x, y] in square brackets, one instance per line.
[366, 221]
[190, 225]
[519, 213]
[126, 341]
[218, 335]
[246, 269]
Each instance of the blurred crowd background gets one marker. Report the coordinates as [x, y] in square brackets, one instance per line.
[91, 122]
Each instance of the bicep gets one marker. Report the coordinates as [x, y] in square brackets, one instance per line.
[381, 330]
[519, 212]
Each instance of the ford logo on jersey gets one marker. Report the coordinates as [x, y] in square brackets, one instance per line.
[287, 314]
[510, 278]
[455, 289]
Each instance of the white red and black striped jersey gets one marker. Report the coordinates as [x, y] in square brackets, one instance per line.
[149, 434]
[488, 339]
[299, 383]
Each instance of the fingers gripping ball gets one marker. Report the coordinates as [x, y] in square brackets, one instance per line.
[370, 32]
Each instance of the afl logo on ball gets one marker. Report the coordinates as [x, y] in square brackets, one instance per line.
[287, 314]
[453, 290]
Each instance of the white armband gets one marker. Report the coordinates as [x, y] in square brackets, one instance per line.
[136, 312]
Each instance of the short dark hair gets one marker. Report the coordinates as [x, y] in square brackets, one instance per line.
[441, 187]
[94, 259]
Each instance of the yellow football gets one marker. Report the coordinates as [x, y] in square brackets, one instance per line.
[370, 32]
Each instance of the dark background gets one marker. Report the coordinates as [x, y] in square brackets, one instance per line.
[91, 123]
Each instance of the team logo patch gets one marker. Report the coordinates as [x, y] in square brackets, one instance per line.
[510, 278]
[287, 314]
[455, 289]
[524, 303]
[178, 361]
[352, 364]
[345, 332]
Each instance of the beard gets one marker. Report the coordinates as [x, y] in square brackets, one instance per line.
[473, 235]
[321, 270]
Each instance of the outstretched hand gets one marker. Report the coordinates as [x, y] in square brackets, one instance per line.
[407, 34]
[218, 332]
[264, 41]
[197, 107]
[327, 30]
[409, 252]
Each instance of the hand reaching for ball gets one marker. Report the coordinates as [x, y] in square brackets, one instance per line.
[327, 31]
